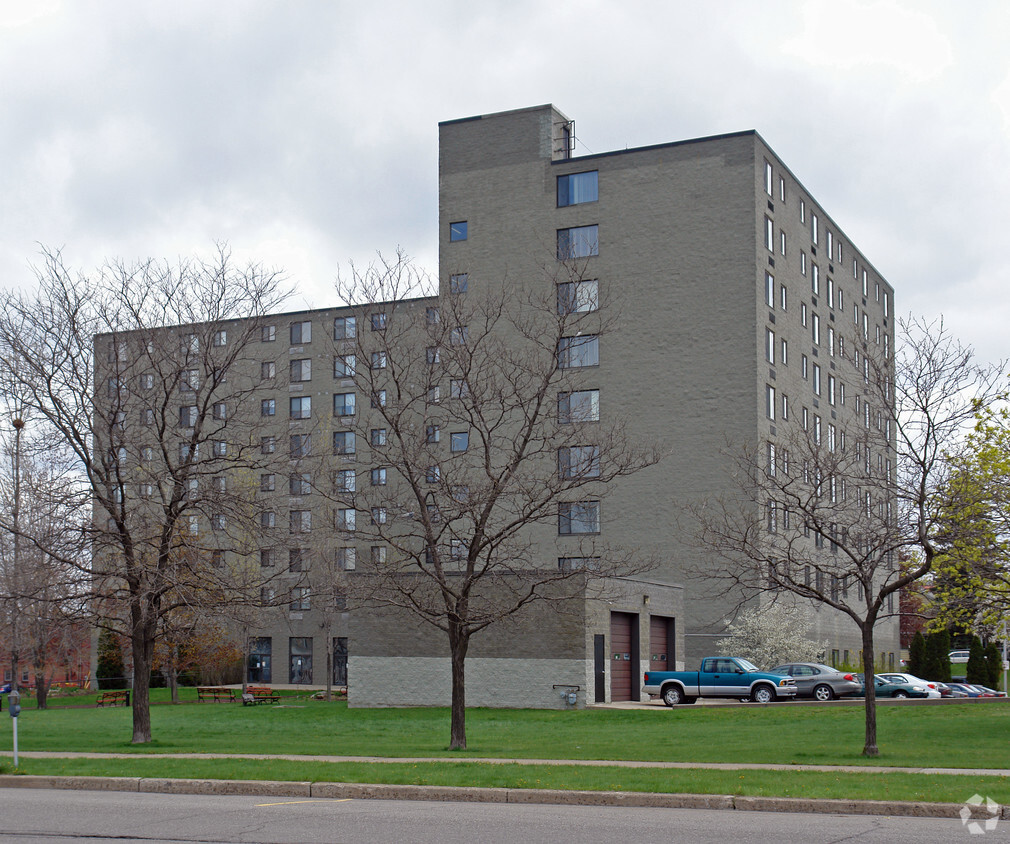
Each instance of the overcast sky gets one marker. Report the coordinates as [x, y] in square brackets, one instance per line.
[304, 133]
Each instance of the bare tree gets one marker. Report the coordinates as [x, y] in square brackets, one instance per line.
[144, 371]
[482, 447]
[826, 511]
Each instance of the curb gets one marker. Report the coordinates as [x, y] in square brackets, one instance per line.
[560, 797]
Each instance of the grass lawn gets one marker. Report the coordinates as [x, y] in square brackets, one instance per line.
[966, 736]
[809, 784]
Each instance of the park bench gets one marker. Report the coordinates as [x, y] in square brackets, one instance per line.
[259, 694]
[121, 698]
[215, 693]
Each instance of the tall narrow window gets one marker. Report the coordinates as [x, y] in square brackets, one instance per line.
[769, 290]
[768, 178]
[770, 346]
[769, 234]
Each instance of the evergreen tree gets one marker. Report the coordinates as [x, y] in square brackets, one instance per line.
[994, 665]
[977, 669]
[110, 671]
[917, 655]
[937, 657]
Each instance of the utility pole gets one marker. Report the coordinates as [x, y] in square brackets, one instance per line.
[19, 424]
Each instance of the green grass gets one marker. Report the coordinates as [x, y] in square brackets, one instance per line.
[931, 736]
[807, 784]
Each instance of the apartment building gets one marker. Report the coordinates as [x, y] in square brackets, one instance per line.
[732, 300]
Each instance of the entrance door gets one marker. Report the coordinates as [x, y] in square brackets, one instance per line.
[623, 656]
[340, 661]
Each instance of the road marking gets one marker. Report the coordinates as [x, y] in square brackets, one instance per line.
[294, 802]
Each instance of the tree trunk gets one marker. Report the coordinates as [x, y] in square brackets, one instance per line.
[142, 646]
[459, 641]
[41, 687]
[870, 691]
[173, 680]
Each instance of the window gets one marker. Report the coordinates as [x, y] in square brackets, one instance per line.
[378, 398]
[300, 521]
[813, 228]
[301, 370]
[147, 379]
[578, 517]
[576, 297]
[377, 321]
[803, 263]
[782, 241]
[769, 181]
[830, 242]
[300, 407]
[190, 344]
[815, 279]
[803, 314]
[457, 231]
[579, 461]
[579, 406]
[769, 290]
[459, 441]
[433, 475]
[347, 559]
[379, 476]
[343, 404]
[268, 370]
[769, 234]
[458, 282]
[187, 416]
[346, 517]
[578, 242]
[770, 346]
[378, 360]
[785, 408]
[583, 350]
[147, 454]
[219, 448]
[431, 434]
[434, 394]
[785, 353]
[782, 188]
[268, 519]
[815, 326]
[189, 380]
[344, 366]
[266, 558]
[831, 292]
[297, 559]
[458, 335]
[576, 188]
[803, 211]
[770, 401]
[346, 480]
[220, 410]
[783, 297]
[831, 390]
[378, 553]
[432, 316]
[301, 445]
[377, 436]
[268, 407]
[220, 338]
[345, 328]
[146, 490]
[268, 333]
[433, 354]
[300, 484]
[301, 333]
[378, 515]
[267, 482]
[343, 442]
[458, 388]
[864, 283]
[268, 445]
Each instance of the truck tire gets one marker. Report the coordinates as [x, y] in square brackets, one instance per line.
[762, 694]
[672, 695]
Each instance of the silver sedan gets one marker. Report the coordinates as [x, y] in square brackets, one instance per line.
[821, 682]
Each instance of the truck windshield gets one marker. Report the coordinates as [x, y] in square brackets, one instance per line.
[747, 666]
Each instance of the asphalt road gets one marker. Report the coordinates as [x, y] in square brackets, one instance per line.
[49, 816]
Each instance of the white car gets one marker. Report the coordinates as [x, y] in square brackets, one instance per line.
[958, 656]
[891, 676]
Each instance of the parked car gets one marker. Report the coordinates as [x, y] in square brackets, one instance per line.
[898, 677]
[954, 691]
[965, 689]
[821, 682]
[958, 656]
[895, 688]
[987, 692]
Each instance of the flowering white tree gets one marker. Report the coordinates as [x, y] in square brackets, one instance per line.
[771, 635]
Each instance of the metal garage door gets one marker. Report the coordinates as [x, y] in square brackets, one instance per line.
[622, 627]
[658, 645]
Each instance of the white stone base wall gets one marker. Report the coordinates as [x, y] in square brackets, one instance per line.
[427, 681]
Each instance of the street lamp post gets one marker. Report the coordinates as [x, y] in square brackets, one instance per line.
[19, 425]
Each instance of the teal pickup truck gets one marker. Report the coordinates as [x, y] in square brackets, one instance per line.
[720, 676]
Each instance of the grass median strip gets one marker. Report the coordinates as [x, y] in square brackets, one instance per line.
[932, 788]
